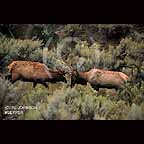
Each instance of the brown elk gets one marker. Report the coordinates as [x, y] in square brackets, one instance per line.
[99, 79]
[35, 72]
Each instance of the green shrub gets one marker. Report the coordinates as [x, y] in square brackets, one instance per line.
[136, 112]
[8, 97]
[80, 103]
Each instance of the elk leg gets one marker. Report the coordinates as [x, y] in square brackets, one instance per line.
[116, 88]
[95, 87]
[43, 83]
[13, 81]
[71, 85]
[34, 84]
[14, 78]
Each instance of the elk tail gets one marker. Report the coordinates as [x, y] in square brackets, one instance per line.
[124, 76]
[11, 66]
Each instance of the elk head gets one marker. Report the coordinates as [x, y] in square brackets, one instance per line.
[76, 78]
[62, 73]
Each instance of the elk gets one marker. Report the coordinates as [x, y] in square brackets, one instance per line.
[99, 79]
[28, 71]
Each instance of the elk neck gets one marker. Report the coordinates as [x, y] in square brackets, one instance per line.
[55, 74]
[83, 75]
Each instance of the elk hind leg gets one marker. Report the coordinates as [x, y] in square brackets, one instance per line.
[34, 84]
[95, 87]
[44, 83]
[14, 78]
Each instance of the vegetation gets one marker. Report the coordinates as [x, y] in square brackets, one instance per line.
[116, 47]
